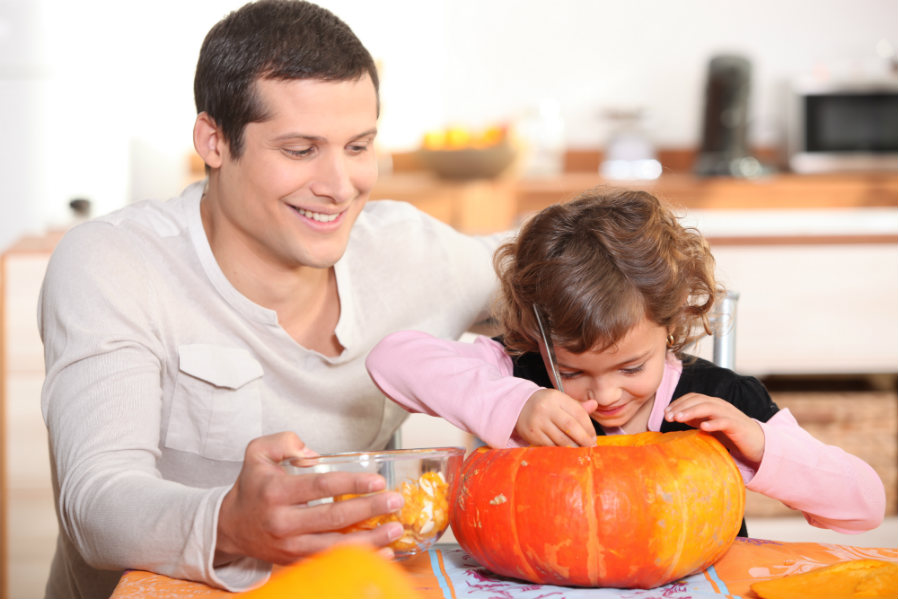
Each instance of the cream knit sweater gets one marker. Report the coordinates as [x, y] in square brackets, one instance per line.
[158, 373]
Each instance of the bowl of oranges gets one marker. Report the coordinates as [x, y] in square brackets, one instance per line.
[423, 477]
[464, 153]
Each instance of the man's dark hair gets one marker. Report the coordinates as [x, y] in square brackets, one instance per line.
[271, 39]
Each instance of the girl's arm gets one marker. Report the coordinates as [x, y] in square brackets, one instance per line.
[469, 384]
[831, 487]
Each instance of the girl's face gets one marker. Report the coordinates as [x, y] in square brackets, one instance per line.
[622, 379]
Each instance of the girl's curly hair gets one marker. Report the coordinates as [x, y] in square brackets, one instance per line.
[595, 266]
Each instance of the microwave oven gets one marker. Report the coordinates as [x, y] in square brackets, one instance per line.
[834, 127]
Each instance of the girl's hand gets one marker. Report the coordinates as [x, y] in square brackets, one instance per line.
[711, 414]
[552, 418]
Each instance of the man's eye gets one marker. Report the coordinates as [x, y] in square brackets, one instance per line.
[358, 148]
[299, 152]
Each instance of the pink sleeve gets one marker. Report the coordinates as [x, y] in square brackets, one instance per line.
[831, 487]
[469, 384]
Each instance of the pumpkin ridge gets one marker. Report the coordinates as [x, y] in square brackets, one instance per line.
[525, 560]
[683, 517]
[592, 520]
[511, 460]
[736, 475]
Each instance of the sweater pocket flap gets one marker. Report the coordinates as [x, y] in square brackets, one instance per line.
[227, 367]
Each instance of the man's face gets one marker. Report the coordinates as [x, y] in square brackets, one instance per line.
[304, 176]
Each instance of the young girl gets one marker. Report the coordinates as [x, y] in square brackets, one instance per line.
[622, 288]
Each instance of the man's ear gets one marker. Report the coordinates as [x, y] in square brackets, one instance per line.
[208, 140]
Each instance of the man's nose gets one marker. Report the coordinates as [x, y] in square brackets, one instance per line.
[333, 178]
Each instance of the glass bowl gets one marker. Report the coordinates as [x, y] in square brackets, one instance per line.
[424, 477]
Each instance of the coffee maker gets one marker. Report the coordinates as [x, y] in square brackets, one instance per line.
[724, 148]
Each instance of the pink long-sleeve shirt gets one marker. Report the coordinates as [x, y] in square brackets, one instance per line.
[471, 385]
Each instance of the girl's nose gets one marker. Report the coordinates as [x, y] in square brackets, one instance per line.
[605, 395]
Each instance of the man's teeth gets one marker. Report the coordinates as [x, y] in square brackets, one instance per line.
[321, 218]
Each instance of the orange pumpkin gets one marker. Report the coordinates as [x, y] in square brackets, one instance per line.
[633, 511]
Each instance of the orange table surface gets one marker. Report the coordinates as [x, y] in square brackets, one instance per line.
[448, 572]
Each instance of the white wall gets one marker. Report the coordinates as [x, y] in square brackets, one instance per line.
[96, 95]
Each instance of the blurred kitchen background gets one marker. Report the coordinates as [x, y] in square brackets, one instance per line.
[693, 100]
[97, 95]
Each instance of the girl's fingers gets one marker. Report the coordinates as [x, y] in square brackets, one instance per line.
[560, 439]
[557, 435]
[694, 407]
[720, 425]
[577, 429]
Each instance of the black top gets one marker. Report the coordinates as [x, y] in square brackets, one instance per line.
[699, 376]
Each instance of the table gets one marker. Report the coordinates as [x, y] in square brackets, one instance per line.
[447, 572]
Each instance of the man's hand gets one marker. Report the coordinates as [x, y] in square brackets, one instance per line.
[265, 515]
[552, 418]
[731, 426]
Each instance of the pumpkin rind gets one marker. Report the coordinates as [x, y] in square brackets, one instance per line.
[635, 511]
[868, 578]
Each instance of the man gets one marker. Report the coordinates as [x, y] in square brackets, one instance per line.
[192, 345]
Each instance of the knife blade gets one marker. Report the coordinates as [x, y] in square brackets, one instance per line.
[545, 349]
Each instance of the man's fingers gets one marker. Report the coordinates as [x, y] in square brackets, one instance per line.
[336, 515]
[276, 448]
[308, 486]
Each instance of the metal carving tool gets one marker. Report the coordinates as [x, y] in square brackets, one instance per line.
[545, 348]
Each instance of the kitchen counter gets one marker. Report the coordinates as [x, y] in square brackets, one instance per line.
[796, 225]
[488, 205]
[778, 191]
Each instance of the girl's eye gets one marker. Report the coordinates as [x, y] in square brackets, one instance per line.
[633, 369]
[568, 375]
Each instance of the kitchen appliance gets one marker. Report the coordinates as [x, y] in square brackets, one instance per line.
[843, 125]
[629, 153]
[724, 147]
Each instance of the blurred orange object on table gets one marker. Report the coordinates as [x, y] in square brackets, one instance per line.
[869, 578]
[341, 571]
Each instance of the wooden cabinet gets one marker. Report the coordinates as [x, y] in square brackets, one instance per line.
[482, 206]
[27, 517]
[814, 308]
[479, 206]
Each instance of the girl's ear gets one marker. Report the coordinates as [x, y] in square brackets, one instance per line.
[208, 140]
